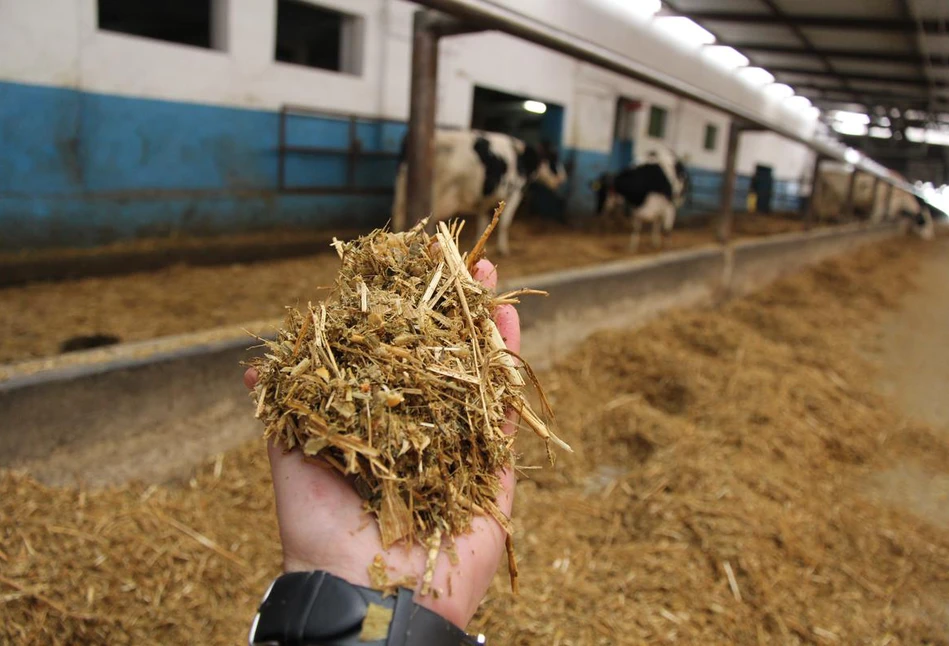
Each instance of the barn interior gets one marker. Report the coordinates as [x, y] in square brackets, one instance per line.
[754, 398]
[878, 71]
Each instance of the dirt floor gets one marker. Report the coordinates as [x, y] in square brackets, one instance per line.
[725, 489]
[912, 347]
[36, 319]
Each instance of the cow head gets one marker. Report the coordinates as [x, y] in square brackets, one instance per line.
[542, 165]
[685, 184]
[607, 199]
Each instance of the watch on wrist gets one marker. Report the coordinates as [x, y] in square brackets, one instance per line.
[319, 609]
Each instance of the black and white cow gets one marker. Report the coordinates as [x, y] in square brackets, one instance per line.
[919, 221]
[653, 190]
[475, 170]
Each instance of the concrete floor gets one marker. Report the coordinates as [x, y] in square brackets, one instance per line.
[913, 352]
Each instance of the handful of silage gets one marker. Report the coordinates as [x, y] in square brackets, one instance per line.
[402, 380]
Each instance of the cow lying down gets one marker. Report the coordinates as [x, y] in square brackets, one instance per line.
[475, 170]
[653, 190]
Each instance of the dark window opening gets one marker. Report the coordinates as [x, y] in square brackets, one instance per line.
[657, 122]
[318, 37]
[711, 136]
[529, 119]
[187, 22]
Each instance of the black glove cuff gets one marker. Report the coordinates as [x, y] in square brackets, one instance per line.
[317, 608]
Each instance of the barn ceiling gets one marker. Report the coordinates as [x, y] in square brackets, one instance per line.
[841, 54]
[887, 58]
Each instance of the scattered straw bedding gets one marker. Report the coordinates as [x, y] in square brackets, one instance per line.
[715, 497]
[36, 318]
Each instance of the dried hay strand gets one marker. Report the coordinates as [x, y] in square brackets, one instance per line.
[140, 564]
[741, 435]
[402, 381]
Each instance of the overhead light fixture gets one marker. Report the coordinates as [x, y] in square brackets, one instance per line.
[756, 75]
[780, 90]
[843, 116]
[727, 57]
[851, 128]
[880, 133]
[799, 103]
[685, 30]
[928, 135]
[812, 113]
[852, 156]
[535, 106]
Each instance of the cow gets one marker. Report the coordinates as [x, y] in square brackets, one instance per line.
[654, 190]
[918, 222]
[830, 194]
[475, 170]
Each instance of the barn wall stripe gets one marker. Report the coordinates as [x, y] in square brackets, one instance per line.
[80, 168]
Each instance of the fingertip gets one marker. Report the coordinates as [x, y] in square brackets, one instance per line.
[505, 499]
[509, 325]
[250, 378]
[486, 273]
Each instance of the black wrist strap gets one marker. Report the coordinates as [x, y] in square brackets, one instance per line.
[319, 609]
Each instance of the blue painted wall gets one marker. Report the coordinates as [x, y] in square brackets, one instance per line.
[78, 168]
[82, 169]
[586, 166]
[706, 187]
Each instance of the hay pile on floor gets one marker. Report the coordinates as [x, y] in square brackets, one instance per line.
[183, 299]
[401, 380]
[716, 496]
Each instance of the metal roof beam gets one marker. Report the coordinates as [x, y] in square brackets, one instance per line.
[806, 41]
[829, 22]
[854, 105]
[818, 92]
[874, 94]
[853, 76]
[853, 54]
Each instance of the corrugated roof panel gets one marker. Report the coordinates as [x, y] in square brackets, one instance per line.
[730, 32]
[937, 44]
[686, 6]
[858, 39]
[806, 62]
[931, 8]
[875, 67]
[849, 8]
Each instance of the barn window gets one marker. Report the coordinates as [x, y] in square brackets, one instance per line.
[187, 22]
[318, 37]
[711, 136]
[657, 122]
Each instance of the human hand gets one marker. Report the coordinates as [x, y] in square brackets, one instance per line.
[323, 524]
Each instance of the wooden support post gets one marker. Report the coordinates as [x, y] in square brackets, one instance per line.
[874, 203]
[727, 208]
[811, 215]
[847, 212]
[420, 144]
[428, 27]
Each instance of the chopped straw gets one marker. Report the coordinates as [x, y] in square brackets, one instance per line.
[402, 381]
[672, 477]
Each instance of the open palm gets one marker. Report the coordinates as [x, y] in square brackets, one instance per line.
[324, 526]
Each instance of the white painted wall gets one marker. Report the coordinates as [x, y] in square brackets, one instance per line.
[56, 42]
[790, 161]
